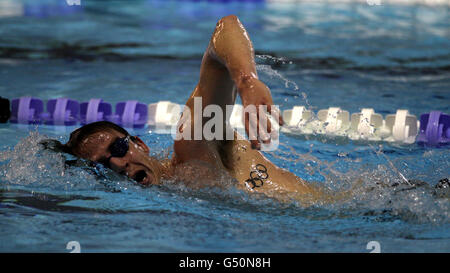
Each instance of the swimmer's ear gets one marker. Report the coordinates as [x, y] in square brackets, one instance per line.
[141, 144]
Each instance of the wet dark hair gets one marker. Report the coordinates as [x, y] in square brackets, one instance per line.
[80, 134]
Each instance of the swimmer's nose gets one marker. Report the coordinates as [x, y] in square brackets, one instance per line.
[120, 164]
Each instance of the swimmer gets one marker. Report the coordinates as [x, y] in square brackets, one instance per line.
[227, 70]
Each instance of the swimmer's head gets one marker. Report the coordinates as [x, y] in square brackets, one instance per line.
[111, 145]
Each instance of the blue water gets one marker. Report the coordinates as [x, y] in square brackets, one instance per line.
[317, 54]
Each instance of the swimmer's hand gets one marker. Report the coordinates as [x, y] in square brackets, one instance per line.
[258, 127]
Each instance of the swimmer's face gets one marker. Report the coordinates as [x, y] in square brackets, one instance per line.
[124, 154]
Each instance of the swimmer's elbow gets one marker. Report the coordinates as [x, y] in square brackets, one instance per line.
[228, 23]
[229, 18]
[221, 36]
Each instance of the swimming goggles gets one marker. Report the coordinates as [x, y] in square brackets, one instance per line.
[119, 148]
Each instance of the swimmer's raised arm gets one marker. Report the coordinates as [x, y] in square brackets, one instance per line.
[228, 67]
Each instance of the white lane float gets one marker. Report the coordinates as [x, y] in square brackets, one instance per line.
[402, 127]
[296, 120]
[163, 115]
[332, 121]
[366, 125]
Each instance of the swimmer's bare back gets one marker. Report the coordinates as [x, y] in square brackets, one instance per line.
[228, 68]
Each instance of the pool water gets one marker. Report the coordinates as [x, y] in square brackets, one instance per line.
[318, 54]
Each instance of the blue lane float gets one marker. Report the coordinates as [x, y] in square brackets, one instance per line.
[68, 112]
[62, 111]
[434, 129]
[94, 110]
[131, 114]
[26, 110]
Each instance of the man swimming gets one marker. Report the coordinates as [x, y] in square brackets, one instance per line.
[227, 69]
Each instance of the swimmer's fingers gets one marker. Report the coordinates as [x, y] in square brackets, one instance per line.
[266, 128]
[251, 127]
[258, 104]
[257, 125]
[264, 125]
[274, 111]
